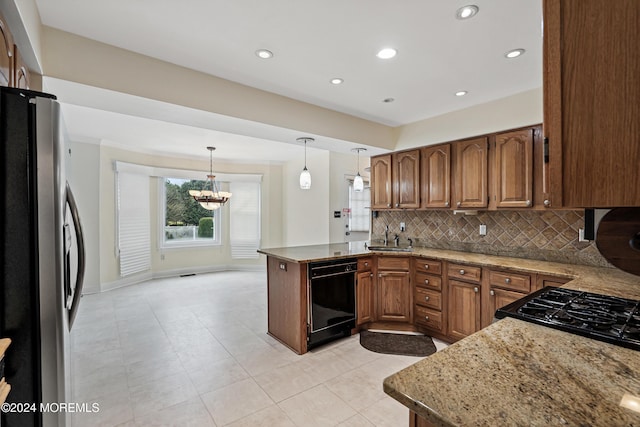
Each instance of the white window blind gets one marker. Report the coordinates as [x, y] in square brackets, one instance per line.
[360, 205]
[245, 219]
[134, 234]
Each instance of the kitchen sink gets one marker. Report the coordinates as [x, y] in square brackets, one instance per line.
[391, 248]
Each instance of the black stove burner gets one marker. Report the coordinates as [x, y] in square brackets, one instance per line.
[605, 318]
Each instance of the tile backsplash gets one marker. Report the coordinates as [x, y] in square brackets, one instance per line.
[543, 235]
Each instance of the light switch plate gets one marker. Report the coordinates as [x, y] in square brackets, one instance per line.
[403, 226]
[483, 229]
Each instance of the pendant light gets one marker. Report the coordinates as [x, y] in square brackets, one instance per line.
[305, 175]
[358, 182]
[212, 198]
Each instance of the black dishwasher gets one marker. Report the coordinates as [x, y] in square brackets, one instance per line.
[331, 300]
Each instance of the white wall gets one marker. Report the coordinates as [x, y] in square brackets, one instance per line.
[522, 109]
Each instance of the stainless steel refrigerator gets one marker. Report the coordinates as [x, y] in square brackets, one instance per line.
[42, 256]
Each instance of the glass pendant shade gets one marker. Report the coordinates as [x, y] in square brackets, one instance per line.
[305, 179]
[213, 198]
[358, 183]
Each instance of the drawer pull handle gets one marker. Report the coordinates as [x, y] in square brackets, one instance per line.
[426, 317]
[426, 281]
[462, 272]
[475, 289]
[507, 280]
[426, 266]
[371, 275]
[426, 298]
[366, 264]
[492, 293]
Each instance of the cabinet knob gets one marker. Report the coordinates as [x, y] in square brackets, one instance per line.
[475, 289]
[528, 202]
[388, 205]
[397, 205]
[379, 274]
[426, 298]
[426, 266]
[462, 272]
[446, 204]
[491, 292]
[366, 264]
[426, 317]
[547, 203]
[507, 280]
[371, 275]
[426, 281]
[459, 204]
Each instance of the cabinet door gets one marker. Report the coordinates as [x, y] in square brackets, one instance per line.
[406, 179]
[394, 296]
[365, 297]
[591, 108]
[435, 176]
[6, 54]
[498, 298]
[381, 182]
[513, 169]
[470, 173]
[464, 309]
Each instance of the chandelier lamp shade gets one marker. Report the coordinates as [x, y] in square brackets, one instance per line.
[210, 197]
[305, 175]
[358, 182]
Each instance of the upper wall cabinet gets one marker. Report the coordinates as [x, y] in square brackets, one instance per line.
[21, 73]
[406, 179]
[513, 169]
[381, 182]
[470, 163]
[591, 102]
[435, 176]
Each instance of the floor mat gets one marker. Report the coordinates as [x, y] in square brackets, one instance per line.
[389, 343]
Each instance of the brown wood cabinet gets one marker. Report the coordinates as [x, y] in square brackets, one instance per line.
[435, 176]
[464, 300]
[470, 178]
[502, 288]
[543, 280]
[416, 420]
[365, 292]
[381, 182]
[429, 312]
[6, 54]
[591, 108]
[406, 179]
[513, 169]
[395, 297]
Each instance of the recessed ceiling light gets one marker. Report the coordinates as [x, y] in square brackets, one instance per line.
[466, 12]
[387, 53]
[336, 81]
[514, 53]
[387, 100]
[264, 53]
[461, 93]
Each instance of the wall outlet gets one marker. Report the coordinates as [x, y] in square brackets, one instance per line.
[483, 229]
[403, 226]
[581, 235]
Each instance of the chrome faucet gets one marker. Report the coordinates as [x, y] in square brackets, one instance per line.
[396, 240]
[386, 235]
[410, 242]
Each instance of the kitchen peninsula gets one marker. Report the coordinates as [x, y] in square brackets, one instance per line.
[530, 374]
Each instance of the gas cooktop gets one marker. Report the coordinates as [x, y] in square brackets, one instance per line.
[601, 317]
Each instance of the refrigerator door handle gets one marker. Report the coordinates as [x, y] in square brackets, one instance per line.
[77, 294]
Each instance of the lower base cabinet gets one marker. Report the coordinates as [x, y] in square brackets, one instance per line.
[365, 301]
[416, 420]
[464, 309]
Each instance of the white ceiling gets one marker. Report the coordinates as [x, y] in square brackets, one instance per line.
[312, 42]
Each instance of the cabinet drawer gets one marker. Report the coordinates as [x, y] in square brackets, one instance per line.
[364, 264]
[428, 281]
[393, 263]
[428, 266]
[465, 272]
[429, 318]
[511, 281]
[428, 298]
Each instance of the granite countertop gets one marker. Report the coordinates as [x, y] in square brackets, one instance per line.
[515, 373]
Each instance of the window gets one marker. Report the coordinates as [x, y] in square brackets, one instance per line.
[360, 205]
[185, 222]
[245, 220]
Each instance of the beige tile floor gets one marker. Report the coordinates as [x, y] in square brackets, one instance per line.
[193, 351]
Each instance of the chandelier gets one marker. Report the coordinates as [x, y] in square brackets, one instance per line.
[211, 198]
[358, 182]
[305, 175]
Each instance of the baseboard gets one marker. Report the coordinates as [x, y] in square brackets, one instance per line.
[139, 278]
